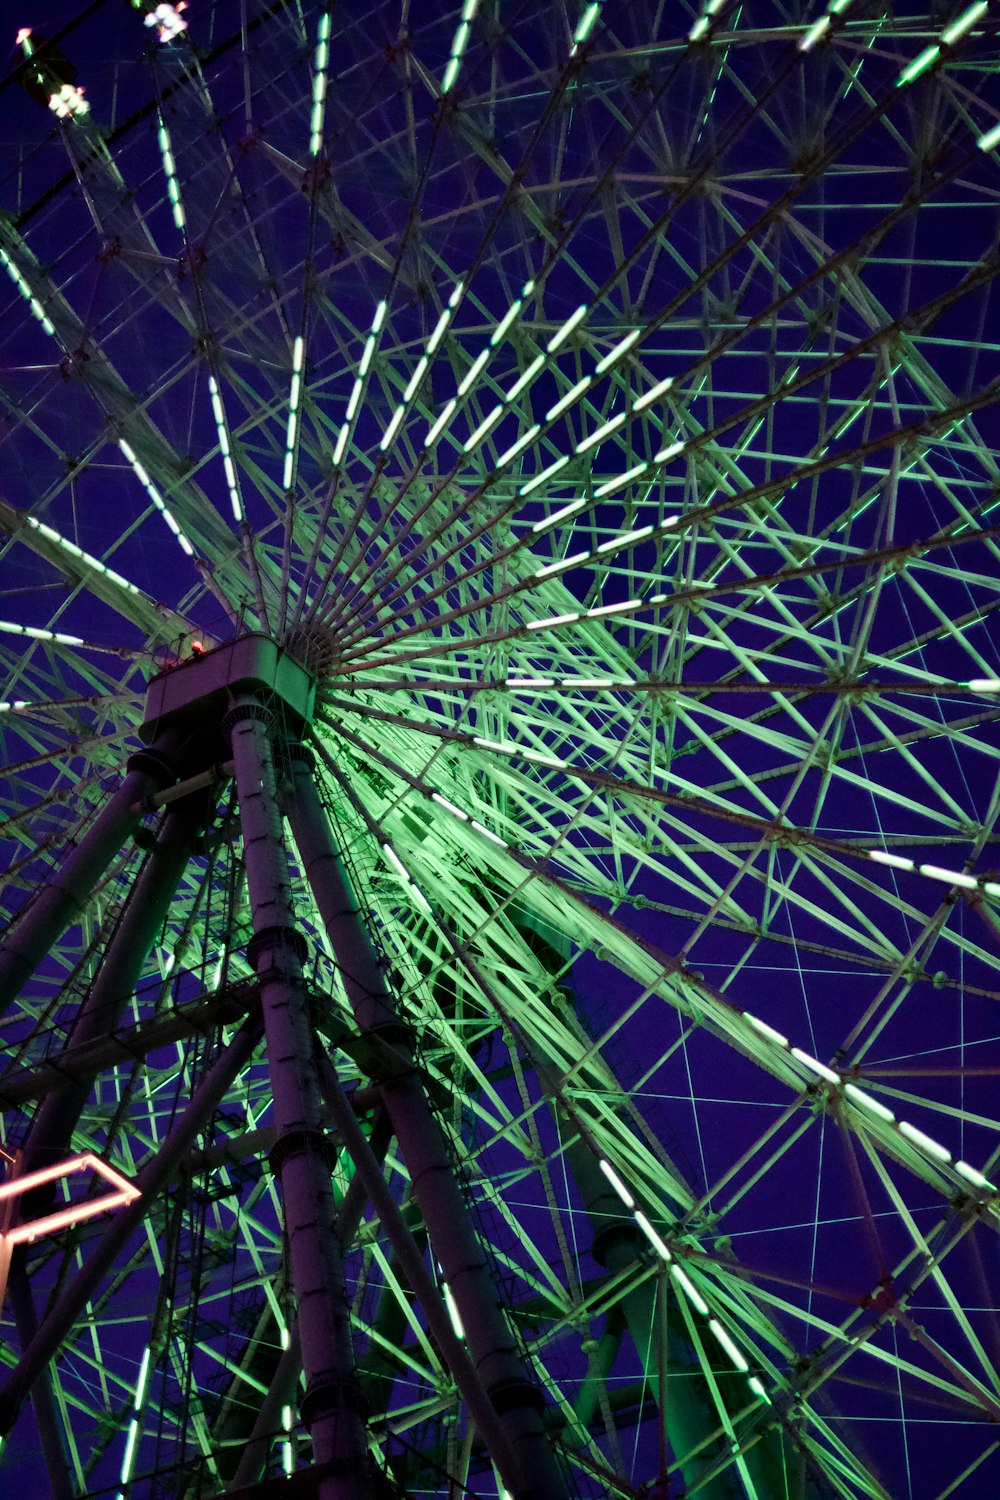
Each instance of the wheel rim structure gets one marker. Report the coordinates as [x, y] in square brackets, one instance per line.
[597, 408]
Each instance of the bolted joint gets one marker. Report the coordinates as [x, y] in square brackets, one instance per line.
[244, 712]
[329, 1394]
[280, 939]
[303, 1142]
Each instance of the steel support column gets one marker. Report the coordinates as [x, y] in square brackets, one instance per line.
[56, 1117]
[68, 889]
[422, 1143]
[43, 1403]
[301, 1157]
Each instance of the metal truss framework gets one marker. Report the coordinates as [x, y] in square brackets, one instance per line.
[568, 969]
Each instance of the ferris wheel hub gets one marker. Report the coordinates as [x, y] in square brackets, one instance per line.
[200, 691]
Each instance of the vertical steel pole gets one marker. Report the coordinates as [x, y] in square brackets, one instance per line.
[42, 1396]
[301, 1157]
[516, 1399]
[68, 889]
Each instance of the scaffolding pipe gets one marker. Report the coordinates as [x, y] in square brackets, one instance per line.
[67, 890]
[423, 1145]
[61, 1317]
[303, 1155]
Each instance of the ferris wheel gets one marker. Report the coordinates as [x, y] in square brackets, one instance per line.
[499, 519]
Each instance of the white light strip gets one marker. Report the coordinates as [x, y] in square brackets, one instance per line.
[620, 349]
[36, 633]
[456, 812]
[964, 23]
[654, 1239]
[440, 423]
[225, 448]
[294, 402]
[321, 62]
[458, 45]
[393, 427]
[605, 429]
[585, 26]
[523, 442]
[949, 877]
[865, 1101]
[26, 292]
[687, 1286]
[895, 861]
[626, 539]
[559, 515]
[453, 1313]
[726, 1343]
[765, 1029]
[406, 879]
[539, 479]
[170, 172]
[925, 1142]
[488, 833]
[562, 565]
[552, 621]
[565, 401]
[616, 484]
[354, 399]
[563, 333]
[525, 379]
[616, 1183]
[815, 1066]
[154, 495]
[976, 1178]
[810, 37]
[476, 437]
[654, 394]
[92, 562]
[512, 313]
[418, 374]
[474, 371]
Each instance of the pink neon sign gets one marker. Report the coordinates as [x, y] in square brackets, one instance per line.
[73, 1213]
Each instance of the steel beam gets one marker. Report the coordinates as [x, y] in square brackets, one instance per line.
[56, 1118]
[79, 1063]
[68, 889]
[517, 1399]
[302, 1154]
